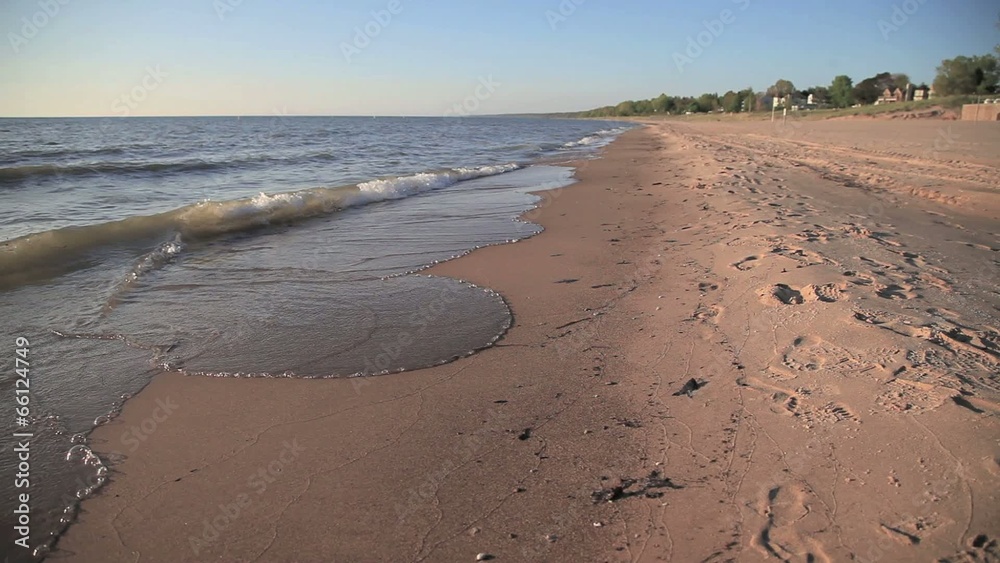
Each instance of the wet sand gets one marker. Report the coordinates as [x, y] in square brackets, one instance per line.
[732, 341]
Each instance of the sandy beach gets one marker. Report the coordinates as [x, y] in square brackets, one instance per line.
[733, 341]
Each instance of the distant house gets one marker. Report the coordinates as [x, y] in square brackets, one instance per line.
[891, 96]
[922, 93]
[795, 101]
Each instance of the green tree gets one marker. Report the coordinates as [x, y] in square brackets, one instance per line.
[781, 88]
[661, 104]
[820, 93]
[748, 99]
[731, 102]
[708, 102]
[842, 91]
[967, 75]
[868, 90]
[887, 80]
[625, 109]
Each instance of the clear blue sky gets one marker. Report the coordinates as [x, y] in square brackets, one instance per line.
[179, 57]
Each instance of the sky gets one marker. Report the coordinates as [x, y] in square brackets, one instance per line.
[448, 57]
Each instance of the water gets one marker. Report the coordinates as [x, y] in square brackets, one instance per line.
[253, 247]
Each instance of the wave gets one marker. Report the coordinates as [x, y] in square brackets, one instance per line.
[20, 173]
[50, 253]
[597, 139]
[400, 187]
[149, 262]
[63, 152]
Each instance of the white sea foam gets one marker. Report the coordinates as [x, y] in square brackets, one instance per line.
[405, 186]
[212, 218]
[599, 139]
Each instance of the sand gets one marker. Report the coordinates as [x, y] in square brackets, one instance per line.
[732, 342]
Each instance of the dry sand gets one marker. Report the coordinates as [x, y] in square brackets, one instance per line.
[831, 290]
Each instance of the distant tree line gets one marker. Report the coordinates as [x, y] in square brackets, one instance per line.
[959, 76]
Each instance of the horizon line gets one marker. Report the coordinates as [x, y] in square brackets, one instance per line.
[279, 115]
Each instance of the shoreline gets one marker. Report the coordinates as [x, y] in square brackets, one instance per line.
[474, 435]
[726, 344]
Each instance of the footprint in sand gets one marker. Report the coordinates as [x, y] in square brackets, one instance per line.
[856, 230]
[972, 350]
[818, 234]
[756, 241]
[860, 278]
[785, 401]
[708, 313]
[968, 387]
[829, 292]
[954, 370]
[806, 257]
[980, 548]
[790, 402]
[705, 287]
[934, 281]
[788, 295]
[784, 294]
[913, 259]
[748, 263]
[882, 238]
[965, 357]
[833, 413]
[828, 414]
[966, 348]
[945, 314]
[884, 358]
[992, 465]
[978, 246]
[926, 273]
[811, 353]
[905, 396]
[910, 531]
[902, 325]
[895, 291]
[881, 267]
[789, 533]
